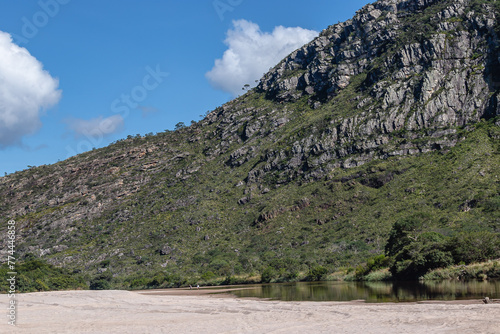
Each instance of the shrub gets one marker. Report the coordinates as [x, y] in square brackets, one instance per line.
[138, 283]
[175, 280]
[41, 286]
[101, 282]
[288, 275]
[490, 269]
[268, 275]
[378, 275]
[207, 276]
[474, 247]
[404, 232]
[220, 266]
[316, 273]
[372, 264]
[38, 275]
[416, 251]
[418, 258]
[229, 280]
[361, 271]
[105, 263]
[156, 281]
[492, 205]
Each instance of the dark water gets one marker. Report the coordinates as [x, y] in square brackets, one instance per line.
[374, 291]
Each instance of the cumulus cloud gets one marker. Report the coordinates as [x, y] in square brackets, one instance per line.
[26, 90]
[252, 52]
[96, 128]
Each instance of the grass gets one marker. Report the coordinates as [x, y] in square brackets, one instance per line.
[482, 271]
[174, 223]
[479, 271]
[345, 221]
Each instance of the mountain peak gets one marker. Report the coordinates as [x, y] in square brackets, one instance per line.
[389, 115]
[382, 38]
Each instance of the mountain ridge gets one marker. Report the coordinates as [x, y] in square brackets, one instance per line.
[302, 169]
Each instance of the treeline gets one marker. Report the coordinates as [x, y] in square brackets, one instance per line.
[415, 247]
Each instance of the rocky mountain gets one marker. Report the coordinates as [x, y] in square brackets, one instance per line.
[392, 114]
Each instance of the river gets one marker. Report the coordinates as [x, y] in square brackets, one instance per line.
[373, 291]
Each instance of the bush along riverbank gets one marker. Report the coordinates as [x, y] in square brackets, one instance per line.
[417, 248]
[37, 275]
[474, 271]
[482, 271]
[372, 271]
[40, 276]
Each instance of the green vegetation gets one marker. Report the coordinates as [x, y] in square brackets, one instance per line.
[374, 264]
[420, 204]
[240, 197]
[317, 273]
[417, 249]
[37, 275]
[482, 271]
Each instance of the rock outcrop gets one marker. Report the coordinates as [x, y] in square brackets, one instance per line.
[401, 78]
[417, 71]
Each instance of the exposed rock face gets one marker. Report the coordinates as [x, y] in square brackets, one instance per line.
[452, 42]
[400, 78]
[422, 68]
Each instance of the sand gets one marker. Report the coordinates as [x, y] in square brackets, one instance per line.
[194, 311]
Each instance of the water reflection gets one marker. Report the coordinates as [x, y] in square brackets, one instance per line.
[374, 291]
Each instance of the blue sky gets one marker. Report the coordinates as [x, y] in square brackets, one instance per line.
[77, 74]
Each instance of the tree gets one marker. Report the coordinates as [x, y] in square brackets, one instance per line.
[316, 273]
[474, 247]
[415, 249]
[417, 258]
[179, 126]
[101, 282]
[405, 231]
[268, 275]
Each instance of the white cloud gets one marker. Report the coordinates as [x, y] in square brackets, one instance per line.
[26, 90]
[96, 128]
[252, 52]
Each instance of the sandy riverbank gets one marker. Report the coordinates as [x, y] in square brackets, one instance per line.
[193, 311]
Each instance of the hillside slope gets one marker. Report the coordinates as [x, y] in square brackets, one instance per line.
[390, 115]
